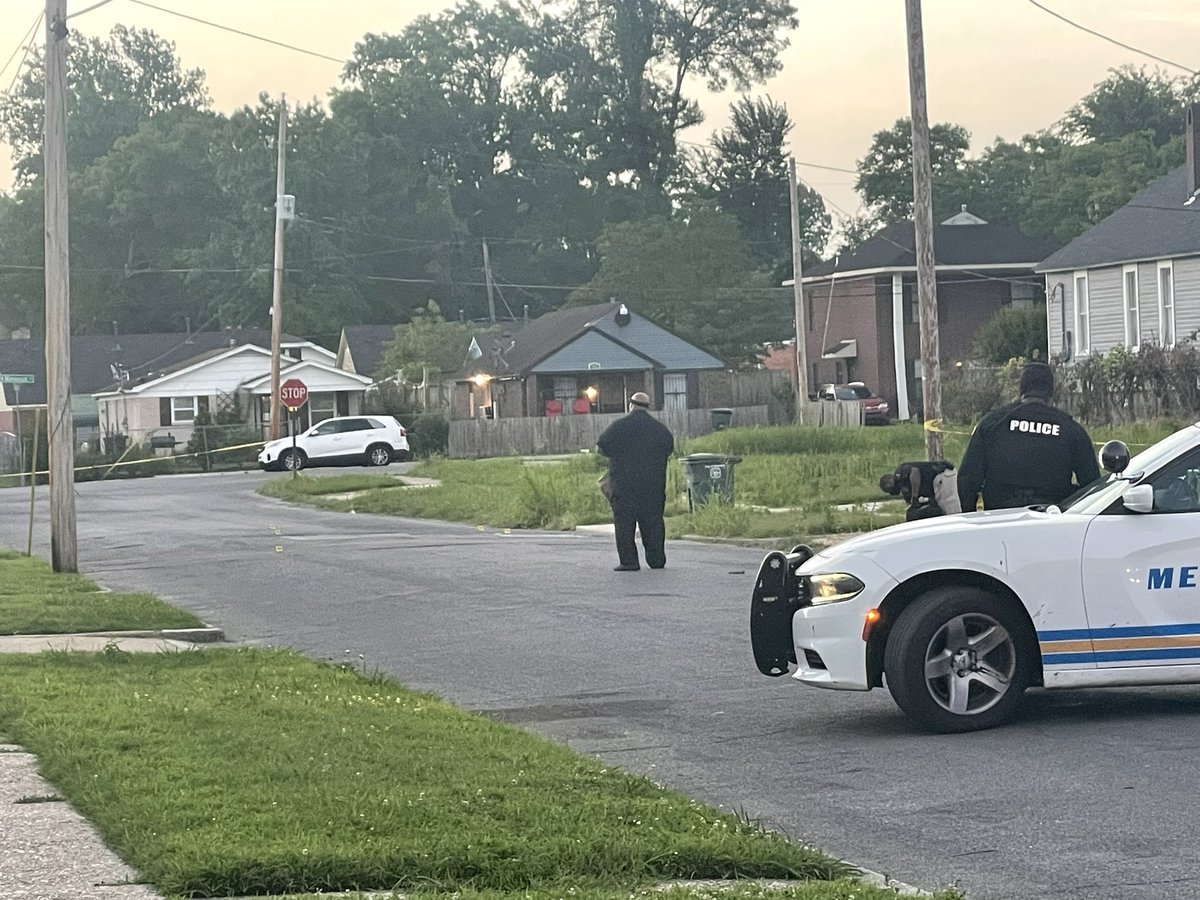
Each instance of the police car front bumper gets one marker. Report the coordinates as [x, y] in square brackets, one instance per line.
[820, 644]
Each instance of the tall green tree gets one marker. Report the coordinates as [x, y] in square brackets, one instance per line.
[695, 275]
[746, 175]
[1128, 101]
[113, 85]
[884, 178]
[430, 343]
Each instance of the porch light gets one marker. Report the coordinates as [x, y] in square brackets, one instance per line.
[591, 393]
[481, 379]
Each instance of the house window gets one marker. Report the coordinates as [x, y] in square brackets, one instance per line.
[1166, 303]
[911, 304]
[1082, 314]
[1133, 327]
[322, 406]
[180, 410]
[812, 313]
[675, 392]
[1022, 294]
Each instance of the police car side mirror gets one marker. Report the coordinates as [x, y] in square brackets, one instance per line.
[1114, 457]
[1139, 498]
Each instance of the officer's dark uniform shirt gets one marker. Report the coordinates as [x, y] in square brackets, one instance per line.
[638, 447]
[1026, 454]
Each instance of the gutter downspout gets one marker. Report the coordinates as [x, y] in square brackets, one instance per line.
[902, 410]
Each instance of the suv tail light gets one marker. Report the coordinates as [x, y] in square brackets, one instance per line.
[403, 433]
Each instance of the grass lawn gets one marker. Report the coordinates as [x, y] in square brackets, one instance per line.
[252, 771]
[35, 600]
[842, 889]
[807, 471]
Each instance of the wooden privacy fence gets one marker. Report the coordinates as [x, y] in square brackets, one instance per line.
[479, 438]
[834, 413]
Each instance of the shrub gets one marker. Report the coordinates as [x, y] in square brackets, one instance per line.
[429, 435]
[1013, 332]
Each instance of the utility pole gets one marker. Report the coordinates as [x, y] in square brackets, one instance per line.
[931, 369]
[487, 278]
[798, 296]
[60, 428]
[282, 214]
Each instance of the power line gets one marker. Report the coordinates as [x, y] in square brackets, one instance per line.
[88, 9]
[257, 37]
[27, 43]
[1105, 37]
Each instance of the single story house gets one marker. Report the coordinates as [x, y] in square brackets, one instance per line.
[1133, 278]
[100, 364]
[360, 348]
[168, 402]
[583, 360]
[863, 314]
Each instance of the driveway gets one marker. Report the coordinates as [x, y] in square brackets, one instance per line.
[1086, 796]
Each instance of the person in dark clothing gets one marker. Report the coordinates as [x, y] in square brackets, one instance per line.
[1027, 453]
[638, 447]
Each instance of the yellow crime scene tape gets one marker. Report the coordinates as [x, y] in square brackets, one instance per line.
[121, 461]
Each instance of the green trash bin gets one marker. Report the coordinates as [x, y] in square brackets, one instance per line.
[709, 475]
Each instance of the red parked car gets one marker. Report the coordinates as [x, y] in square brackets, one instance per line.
[875, 408]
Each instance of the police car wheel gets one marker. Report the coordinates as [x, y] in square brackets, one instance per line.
[958, 659]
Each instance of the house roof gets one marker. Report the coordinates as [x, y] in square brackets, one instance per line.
[957, 245]
[1153, 225]
[331, 377]
[590, 337]
[143, 356]
[365, 345]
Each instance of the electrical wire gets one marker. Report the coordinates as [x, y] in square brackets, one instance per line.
[257, 37]
[88, 9]
[27, 42]
[1105, 37]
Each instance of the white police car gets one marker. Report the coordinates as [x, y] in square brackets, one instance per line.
[959, 614]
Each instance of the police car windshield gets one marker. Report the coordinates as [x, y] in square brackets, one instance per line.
[1099, 494]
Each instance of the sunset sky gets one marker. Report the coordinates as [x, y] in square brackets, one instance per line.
[999, 67]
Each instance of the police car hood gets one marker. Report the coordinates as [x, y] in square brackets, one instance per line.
[928, 537]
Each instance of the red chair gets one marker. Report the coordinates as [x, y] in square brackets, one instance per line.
[582, 406]
[554, 408]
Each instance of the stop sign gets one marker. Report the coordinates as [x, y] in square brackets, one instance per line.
[293, 393]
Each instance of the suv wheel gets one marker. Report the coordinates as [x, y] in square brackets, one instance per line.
[292, 460]
[379, 455]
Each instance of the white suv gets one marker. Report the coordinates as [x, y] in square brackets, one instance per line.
[345, 441]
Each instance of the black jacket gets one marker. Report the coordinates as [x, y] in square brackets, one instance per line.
[1026, 454]
[638, 447]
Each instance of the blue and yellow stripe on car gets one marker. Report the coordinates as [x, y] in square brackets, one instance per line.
[1138, 643]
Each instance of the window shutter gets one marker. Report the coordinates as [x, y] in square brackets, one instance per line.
[164, 411]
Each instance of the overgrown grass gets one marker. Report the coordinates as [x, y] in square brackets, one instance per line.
[35, 600]
[251, 771]
[807, 471]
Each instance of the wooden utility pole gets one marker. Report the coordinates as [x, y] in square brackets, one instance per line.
[798, 296]
[931, 369]
[277, 286]
[60, 428]
[487, 279]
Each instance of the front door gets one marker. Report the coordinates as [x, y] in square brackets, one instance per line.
[675, 398]
[1141, 575]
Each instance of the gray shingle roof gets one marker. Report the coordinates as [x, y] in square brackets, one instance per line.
[546, 344]
[366, 343]
[1153, 225]
[953, 245]
[93, 355]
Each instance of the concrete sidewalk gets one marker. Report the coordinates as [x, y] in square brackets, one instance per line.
[48, 851]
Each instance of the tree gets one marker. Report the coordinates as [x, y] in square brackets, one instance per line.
[885, 174]
[746, 175]
[1128, 101]
[429, 343]
[113, 84]
[695, 275]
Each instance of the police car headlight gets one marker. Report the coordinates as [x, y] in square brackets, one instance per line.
[833, 588]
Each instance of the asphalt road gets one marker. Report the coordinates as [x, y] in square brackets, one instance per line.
[1089, 795]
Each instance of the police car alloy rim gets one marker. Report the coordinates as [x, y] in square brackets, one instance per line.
[969, 664]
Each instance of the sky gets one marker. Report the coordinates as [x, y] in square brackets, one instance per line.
[1001, 68]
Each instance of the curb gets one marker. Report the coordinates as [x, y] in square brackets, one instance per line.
[206, 635]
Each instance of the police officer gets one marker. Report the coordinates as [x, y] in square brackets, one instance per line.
[638, 447]
[1025, 454]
